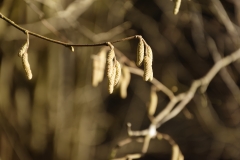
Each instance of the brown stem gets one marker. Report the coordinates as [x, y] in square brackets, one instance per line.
[60, 42]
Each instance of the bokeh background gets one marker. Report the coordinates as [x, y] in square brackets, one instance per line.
[59, 115]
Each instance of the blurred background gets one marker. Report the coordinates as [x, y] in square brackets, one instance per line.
[58, 115]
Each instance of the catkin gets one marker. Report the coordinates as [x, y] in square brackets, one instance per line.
[140, 52]
[153, 102]
[110, 66]
[102, 63]
[111, 70]
[111, 81]
[26, 65]
[118, 73]
[125, 80]
[147, 69]
[176, 7]
[23, 49]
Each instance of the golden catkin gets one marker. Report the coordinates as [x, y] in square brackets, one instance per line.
[153, 103]
[99, 63]
[26, 66]
[176, 7]
[118, 73]
[140, 52]
[111, 81]
[95, 73]
[102, 63]
[149, 52]
[147, 68]
[23, 49]
[110, 66]
[125, 80]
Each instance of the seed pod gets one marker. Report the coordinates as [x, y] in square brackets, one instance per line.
[147, 68]
[99, 63]
[102, 63]
[118, 73]
[23, 49]
[26, 66]
[125, 80]
[153, 102]
[111, 81]
[140, 52]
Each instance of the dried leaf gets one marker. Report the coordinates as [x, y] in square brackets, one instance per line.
[118, 73]
[153, 102]
[147, 75]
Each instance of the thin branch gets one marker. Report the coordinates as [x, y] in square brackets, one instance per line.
[202, 82]
[224, 72]
[60, 42]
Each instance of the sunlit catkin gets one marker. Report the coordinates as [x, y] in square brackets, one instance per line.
[176, 7]
[23, 49]
[118, 73]
[111, 81]
[125, 80]
[110, 66]
[95, 72]
[149, 53]
[102, 63]
[147, 68]
[99, 63]
[26, 66]
[140, 52]
[153, 102]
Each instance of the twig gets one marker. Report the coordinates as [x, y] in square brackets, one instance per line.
[60, 42]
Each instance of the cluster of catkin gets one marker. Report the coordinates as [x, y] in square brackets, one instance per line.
[118, 74]
[113, 69]
[24, 55]
[144, 55]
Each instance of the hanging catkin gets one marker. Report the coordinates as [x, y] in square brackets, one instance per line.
[110, 66]
[95, 72]
[23, 49]
[118, 73]
[26, 65]
[125, 80]
[140, 52]
[111, 81]
[149, 53]
[176, 7]
[99, 63]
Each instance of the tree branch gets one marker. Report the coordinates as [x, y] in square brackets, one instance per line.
[60, 42]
